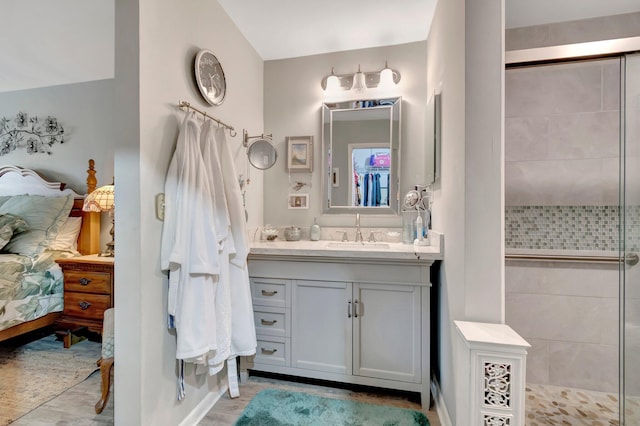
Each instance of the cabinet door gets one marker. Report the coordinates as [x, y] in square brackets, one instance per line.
[386, 340]
[321, 332]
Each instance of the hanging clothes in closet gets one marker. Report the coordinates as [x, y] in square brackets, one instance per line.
[204, 249]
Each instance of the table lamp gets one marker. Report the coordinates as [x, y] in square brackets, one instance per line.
[102, 200]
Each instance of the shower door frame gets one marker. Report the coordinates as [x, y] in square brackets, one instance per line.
[628, 259]
[616, 48]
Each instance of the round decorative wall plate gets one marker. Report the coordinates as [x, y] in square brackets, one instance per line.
[210, 77]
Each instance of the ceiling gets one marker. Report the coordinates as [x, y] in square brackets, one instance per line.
[336, 25]
[69, 41]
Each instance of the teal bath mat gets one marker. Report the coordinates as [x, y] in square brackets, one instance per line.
[283, 408]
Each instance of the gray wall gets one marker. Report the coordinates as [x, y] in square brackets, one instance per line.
[292, 105]
[86, 112]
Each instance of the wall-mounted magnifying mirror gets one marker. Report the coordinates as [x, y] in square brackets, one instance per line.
[261, 152]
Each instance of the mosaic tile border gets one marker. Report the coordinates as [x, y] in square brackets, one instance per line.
[569, 227]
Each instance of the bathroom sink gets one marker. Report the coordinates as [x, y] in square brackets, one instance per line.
[357, 246]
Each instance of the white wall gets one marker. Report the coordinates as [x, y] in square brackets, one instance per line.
[465, 64]
[292, 106]
[156, 42]
[45, 43]
[445, 74]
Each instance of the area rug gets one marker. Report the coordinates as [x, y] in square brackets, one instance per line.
[272, 407]
[33, 373]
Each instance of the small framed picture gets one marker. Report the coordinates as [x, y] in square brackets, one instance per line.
[300, 153]
[298, 201]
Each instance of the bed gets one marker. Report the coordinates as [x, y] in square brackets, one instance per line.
[40, 221]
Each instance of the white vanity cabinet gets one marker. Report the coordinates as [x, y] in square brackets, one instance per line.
[357, 321]
[361, 329]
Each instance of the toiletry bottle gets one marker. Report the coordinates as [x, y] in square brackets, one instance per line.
[314, 232]
[419, 228]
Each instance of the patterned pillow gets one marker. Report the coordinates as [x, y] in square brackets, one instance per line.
[10, 225]
[45, 216]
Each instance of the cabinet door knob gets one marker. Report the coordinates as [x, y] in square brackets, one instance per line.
[268, 351]
[84, 305]
[84, 281]
[265, 322]
[355, 308]
[349, 309]
[269, 293]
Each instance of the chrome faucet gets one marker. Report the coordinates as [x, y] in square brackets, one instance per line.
[359, 238]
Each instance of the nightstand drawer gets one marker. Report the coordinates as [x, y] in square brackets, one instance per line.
[86, 305]
[87, 281]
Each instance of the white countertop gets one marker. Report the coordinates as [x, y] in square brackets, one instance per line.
[335, 250]
[496, 334]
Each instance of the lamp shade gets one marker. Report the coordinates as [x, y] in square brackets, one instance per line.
[100, 200]
[358, 81]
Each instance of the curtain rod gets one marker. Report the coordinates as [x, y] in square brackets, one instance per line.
[185, 104]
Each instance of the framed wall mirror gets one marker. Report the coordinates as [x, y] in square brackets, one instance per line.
[433, 141]
[361, 156]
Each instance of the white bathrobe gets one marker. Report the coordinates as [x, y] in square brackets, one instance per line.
[210, 147]
[189, 249]
[243, 331]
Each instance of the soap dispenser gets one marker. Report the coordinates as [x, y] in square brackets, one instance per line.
[314, 232]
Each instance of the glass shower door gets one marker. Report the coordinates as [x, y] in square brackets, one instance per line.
[630, 242]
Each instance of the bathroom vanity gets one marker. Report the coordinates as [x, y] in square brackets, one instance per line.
[344, 312]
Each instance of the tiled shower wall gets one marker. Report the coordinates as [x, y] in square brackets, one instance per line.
[562, 134]
[570, 227]
[561, 193]
[562, 227]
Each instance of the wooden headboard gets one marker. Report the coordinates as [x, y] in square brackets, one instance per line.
[16, 180]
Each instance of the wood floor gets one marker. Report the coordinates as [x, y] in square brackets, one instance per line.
[75, 406]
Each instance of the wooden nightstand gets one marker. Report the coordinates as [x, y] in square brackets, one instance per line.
[88, 292]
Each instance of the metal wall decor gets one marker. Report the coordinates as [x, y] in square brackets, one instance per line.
[30, 133]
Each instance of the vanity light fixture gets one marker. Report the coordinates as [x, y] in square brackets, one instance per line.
[361, 80]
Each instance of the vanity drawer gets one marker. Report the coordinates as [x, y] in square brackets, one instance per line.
[270, 292]
[271, 321]
[272, 351]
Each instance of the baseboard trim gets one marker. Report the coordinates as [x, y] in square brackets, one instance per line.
[203, 407]
[441, 407]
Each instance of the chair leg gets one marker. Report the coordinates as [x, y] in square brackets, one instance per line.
[106, 365]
